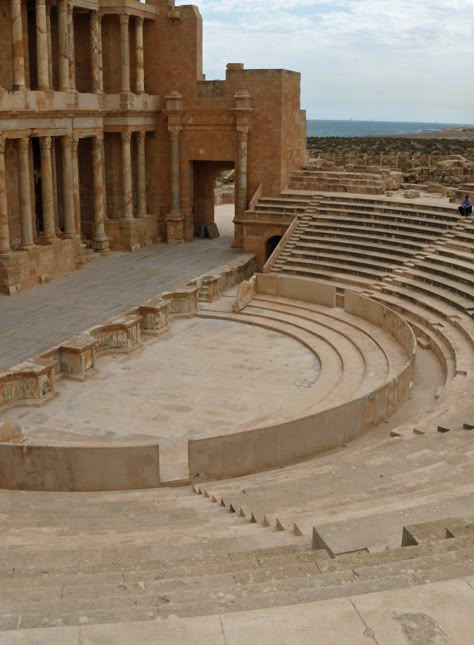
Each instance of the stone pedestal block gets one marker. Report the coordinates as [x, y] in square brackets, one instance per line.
[77, 357]
[28, 383]
[154, 316]
[175, 228]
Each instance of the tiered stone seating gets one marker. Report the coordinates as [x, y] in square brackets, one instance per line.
[135, 557]
[354, 240]
[338, 181]
[330, 527]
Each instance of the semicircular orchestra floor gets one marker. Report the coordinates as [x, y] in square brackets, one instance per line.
[204, 377]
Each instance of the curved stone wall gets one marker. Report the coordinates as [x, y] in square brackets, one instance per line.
[254, 450]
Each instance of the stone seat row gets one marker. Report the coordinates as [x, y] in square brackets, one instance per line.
[344, 199]
[391, 218]
[348, 496]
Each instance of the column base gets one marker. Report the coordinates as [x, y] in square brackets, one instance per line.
[175, 228]
[46, 241]
[26, 247]
[100, 244]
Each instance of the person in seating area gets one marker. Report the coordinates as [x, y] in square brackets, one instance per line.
[466, 206]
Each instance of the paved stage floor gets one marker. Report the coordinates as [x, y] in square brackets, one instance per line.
[35, 319]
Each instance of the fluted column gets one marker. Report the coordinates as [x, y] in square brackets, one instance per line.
[63, 45]
[139, 55]
[26, 213]
[141, 174]
[47, 192]
[71, 54]
[68, 194]
[99, 238]
[124, 53]
[127, 195]
[5, 249]
[96, 51]
[17, 44]
[75, 185]
[42, 65]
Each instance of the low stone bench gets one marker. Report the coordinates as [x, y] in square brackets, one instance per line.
[120, 334]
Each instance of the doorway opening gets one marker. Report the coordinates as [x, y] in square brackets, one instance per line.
[211, 180]
[271, 244]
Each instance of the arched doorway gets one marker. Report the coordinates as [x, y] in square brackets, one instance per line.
[271, 244]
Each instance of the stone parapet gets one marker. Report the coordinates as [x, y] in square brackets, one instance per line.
[182, 301]
[28, 383]
[120, 334]
[154, 316]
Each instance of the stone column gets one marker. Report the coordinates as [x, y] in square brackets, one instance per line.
[141, 174]
[124, 53]
[175, 218]
[100, 60]
[47, 192]
[68, 190]
[75, 185]
[63, 44]
[242, 111]
[175, 169]
[71, 54]
[18, 55]
[50, 46]
[26, 214]
[99, 239]
[127, 194]
[242, 196]
[139, 55]
[96, 52]
[5, 249]
[42, 64]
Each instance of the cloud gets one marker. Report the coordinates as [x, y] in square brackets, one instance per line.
[415, 55]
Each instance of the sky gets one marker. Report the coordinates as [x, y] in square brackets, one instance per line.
[394, 60]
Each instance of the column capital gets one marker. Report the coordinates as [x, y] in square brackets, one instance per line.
[99, 138]
[3, 142]
[174, 131]
[75, 144]
[68, 139]
[243, 133]
[140, 20]
[141, 134]
[126, 137]
[24, 143]
[40, 3]
[124, 18]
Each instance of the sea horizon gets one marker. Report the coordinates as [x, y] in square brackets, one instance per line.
[358, 128]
